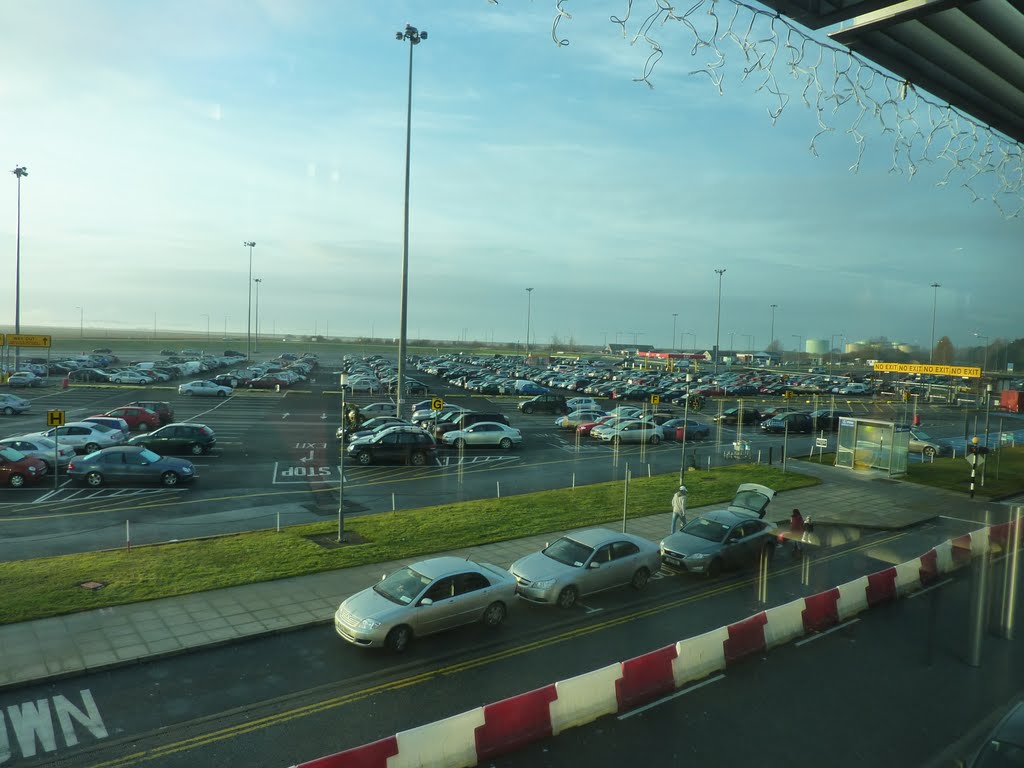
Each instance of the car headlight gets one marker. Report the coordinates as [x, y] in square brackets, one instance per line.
[544, 583]
[188, 470]
[369, 624]
[698, 556]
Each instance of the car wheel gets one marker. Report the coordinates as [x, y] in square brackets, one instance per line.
[92, 448]
[398, 639]
[418, 459]
[169, 479]
[640, 579]
[116, 381]
[929, 452]
[8, 411]
[16, 481]
[494, 615]
[460, 443]
[527, 409]
[567, 597]
[195, 449]
[221, 393]
[655, 439]
[364, 458]
[715, 568]
[95, 479]
[505, 443]
[189, 392]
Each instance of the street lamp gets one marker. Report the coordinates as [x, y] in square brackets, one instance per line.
[771, 334]
[257, 280]
[20, 171]
[81, 322]
[225, 327]
[529, 307]
[250, 244]
[935, 301]
[346, 427]
[207, 328]
[414, 36]
[750, 341]
[831, 350]
[799, 343]
[718, 325]
[693, 334]
[674, 316]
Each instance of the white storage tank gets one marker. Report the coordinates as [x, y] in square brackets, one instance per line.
[816, 347]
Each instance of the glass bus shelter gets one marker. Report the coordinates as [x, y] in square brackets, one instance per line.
[873, 444]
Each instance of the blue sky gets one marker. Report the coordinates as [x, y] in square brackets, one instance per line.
[160, 136]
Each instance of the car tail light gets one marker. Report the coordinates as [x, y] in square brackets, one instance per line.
[206, 431]
[71, 466]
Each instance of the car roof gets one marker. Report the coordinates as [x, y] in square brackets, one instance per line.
[595, 537]
[436, 567]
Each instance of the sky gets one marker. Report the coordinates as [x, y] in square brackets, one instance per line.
[159, 137]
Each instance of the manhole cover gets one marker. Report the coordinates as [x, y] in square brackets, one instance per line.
[92, 585]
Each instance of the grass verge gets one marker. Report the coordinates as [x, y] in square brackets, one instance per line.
[48, 586]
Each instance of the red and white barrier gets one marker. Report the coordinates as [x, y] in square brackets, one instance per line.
[483, 733]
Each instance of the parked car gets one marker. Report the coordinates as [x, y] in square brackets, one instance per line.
[83, 436]
[88, 376]
[268, 381]
[410, 445]
[12, 404]
[17, 469]
[128, 377]
[368, 427]
[545, 403]
[924, 444]
[164, 410]
[466, 419]
[491, 433]
[377, 409]
[138, 418]
[793, 422]
[676, 429]
[574, 419]
[25, 379]
[633, 431]
[186, 437]
[421, 415]
[746, 415]
[1004, 745]
[42, 448]
[204, 389]
[584, 404]
[110, 421]
[724, 538]
[827, 419]
[423, 598]
[585, 562]
[130, 464]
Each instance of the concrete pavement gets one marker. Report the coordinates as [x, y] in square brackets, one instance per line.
[47, 649]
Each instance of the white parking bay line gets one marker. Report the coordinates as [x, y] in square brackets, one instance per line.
[820, 635]
[588, 609]
[671, 696]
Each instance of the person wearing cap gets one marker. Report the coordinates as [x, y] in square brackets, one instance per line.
[678, 509]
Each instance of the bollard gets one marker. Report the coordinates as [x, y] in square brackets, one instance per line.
[771, 450]
[498, 483]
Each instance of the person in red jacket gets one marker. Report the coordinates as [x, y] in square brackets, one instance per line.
[796, 531]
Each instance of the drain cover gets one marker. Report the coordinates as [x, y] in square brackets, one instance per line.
[92, 585]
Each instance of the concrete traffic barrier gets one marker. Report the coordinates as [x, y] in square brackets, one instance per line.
[448, 743]
[998, 535]
[585, 698]
[821, 611]
[961, 550]
[646, 678]
[700, 656]
[881, 587]
[944, 556]
[515, 722]
[373, 755]
[928, 572]
[784, 623]
[908, 576]
[745, 638]
[853, 598]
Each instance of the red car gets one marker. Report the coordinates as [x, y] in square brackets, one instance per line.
[138, 418]
[268, 382]
[583, 430]
[17, 469]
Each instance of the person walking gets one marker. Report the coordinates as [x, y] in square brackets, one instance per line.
[796, 531]
[678, 509]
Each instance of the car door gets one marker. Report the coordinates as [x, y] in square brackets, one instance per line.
[125, 413]
[481, 434]
[441, 612]
[163, 440]
[111, 465]
[624, 563]
[472, 596]
[601, 577]
[137, 469]
[733, 547]
[77, 437]
[387, 447]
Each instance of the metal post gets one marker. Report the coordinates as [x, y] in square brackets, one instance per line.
[988, 412]
[625, 497]
[979, 593]
[20, 172]
[257, 280]
[250, 244]
[343, 380]
[718, 324]
[935, 300]
[529, 308]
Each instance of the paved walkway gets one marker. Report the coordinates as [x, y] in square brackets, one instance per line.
[47, 649]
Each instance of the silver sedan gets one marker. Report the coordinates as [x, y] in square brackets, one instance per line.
[585, 562]
[424, 598]
[42, 448]
[489, 433]
[633, 432]
[207, 388]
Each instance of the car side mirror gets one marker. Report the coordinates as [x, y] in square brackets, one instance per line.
[595, 564]
[426, 601]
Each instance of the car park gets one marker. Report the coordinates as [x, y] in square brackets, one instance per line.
[724, 538]
[12, 404]
[204, 388]
[137, 417]
[794, 422]
[41, 448]
[409, 445]
[17, 469]
[186, 437]
[423, 598]
[25, 379]
[585, 562]
[83, 436]
[130, 464]
[484, 433]
[163, 410]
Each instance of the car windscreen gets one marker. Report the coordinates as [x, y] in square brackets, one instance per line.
[11, 454]
[569, 552]
[99, 426]
[703, 528]
[402, 586]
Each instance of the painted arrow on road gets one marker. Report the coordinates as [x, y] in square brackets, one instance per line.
[285, 415]
[304, 459]
[323, 416]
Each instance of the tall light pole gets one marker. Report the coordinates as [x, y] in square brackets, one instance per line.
[529, 308]
[692, 334]
[984, 365]
[831, 350]
[257, 280]
[771, 334]
[81, 322]
[347, 429]
[225, 327]
[750, 341]
[414, 36]
[935, 301]
[250, 244]
[674, 316]
[718, 324]
[207, 328]
[800, 342]
[20, 171]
